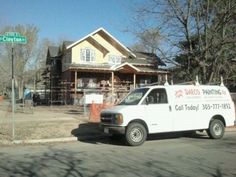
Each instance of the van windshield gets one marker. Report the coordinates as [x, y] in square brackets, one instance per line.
[134, 97]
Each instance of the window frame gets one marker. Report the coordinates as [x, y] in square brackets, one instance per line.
[160, 91]
[87, 55]
[116, 58]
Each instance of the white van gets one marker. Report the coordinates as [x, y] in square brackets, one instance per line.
[170, 108]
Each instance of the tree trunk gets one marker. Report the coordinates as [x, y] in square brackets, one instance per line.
[21, 89]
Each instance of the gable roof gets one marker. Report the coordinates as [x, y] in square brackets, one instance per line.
[115, 67]
[144, 58]
[107, 35]
[67, 43]
[151, 56]
[53, 51]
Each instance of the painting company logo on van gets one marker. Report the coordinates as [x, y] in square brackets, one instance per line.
[214, 92]
[191, 92]
[179, 93]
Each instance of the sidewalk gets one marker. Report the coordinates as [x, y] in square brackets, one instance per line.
[230, 129]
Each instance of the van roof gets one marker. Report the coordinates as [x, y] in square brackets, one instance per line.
[192, 92]
[180, 85]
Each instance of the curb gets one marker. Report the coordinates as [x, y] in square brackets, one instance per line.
[52, 140]
[71, 139]
[37, 141]
[230, 129]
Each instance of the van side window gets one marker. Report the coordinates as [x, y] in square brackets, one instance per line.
[157, 96]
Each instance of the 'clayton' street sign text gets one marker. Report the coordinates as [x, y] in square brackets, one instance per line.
[13, 37]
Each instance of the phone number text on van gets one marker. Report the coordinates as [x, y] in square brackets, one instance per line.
[215, 106]
[196, 107]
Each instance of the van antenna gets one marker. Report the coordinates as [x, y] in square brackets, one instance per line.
[221, 81]
[166, 83]
[197, 81]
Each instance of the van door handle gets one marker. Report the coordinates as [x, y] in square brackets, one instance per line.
[170, 108]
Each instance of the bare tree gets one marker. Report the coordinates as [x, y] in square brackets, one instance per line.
[150, 39]
[39, 63]
[202, 33]
[23, 54]
[5, 75]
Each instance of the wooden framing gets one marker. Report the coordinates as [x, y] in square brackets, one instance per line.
[112, 77]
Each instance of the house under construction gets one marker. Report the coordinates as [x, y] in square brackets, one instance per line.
[97, 63]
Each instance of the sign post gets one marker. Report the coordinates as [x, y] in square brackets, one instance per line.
[13, 37]
[12, 94]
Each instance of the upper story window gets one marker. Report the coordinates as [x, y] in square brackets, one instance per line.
[114, 59]
[87, 55]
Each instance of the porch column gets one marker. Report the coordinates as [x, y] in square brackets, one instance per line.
[159, 78]
[75, 91]
[134, 81]
[112, 83]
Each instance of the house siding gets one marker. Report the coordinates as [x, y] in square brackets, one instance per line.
[76, 53]
[100, 58]
[107, 45]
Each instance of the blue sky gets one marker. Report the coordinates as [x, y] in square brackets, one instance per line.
[70, 19]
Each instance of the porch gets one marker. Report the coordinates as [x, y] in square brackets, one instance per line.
[113, 83]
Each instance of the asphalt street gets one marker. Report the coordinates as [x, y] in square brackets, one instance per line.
[162, 155]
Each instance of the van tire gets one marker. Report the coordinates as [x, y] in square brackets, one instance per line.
[216, 129]
[135, 134]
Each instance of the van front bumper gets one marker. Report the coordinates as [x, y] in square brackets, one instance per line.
[113, 129]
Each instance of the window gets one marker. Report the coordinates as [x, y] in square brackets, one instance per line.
[87, 55]
[157, 96]
[114, 59]
[144, 82]
[134, 97]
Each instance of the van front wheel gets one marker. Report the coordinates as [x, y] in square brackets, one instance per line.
[216, 129]
[135, 134]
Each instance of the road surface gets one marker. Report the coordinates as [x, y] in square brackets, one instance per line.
[162, 155]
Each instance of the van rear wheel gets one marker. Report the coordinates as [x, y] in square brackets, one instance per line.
[135, 134]
[216, 129]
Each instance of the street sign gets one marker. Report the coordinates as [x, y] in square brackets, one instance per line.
[13, 37]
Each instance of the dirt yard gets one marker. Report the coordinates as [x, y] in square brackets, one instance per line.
[40, 122]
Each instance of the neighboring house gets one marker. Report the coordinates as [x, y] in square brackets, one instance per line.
[98, 62]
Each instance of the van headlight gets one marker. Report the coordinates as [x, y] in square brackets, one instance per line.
[118, 119]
